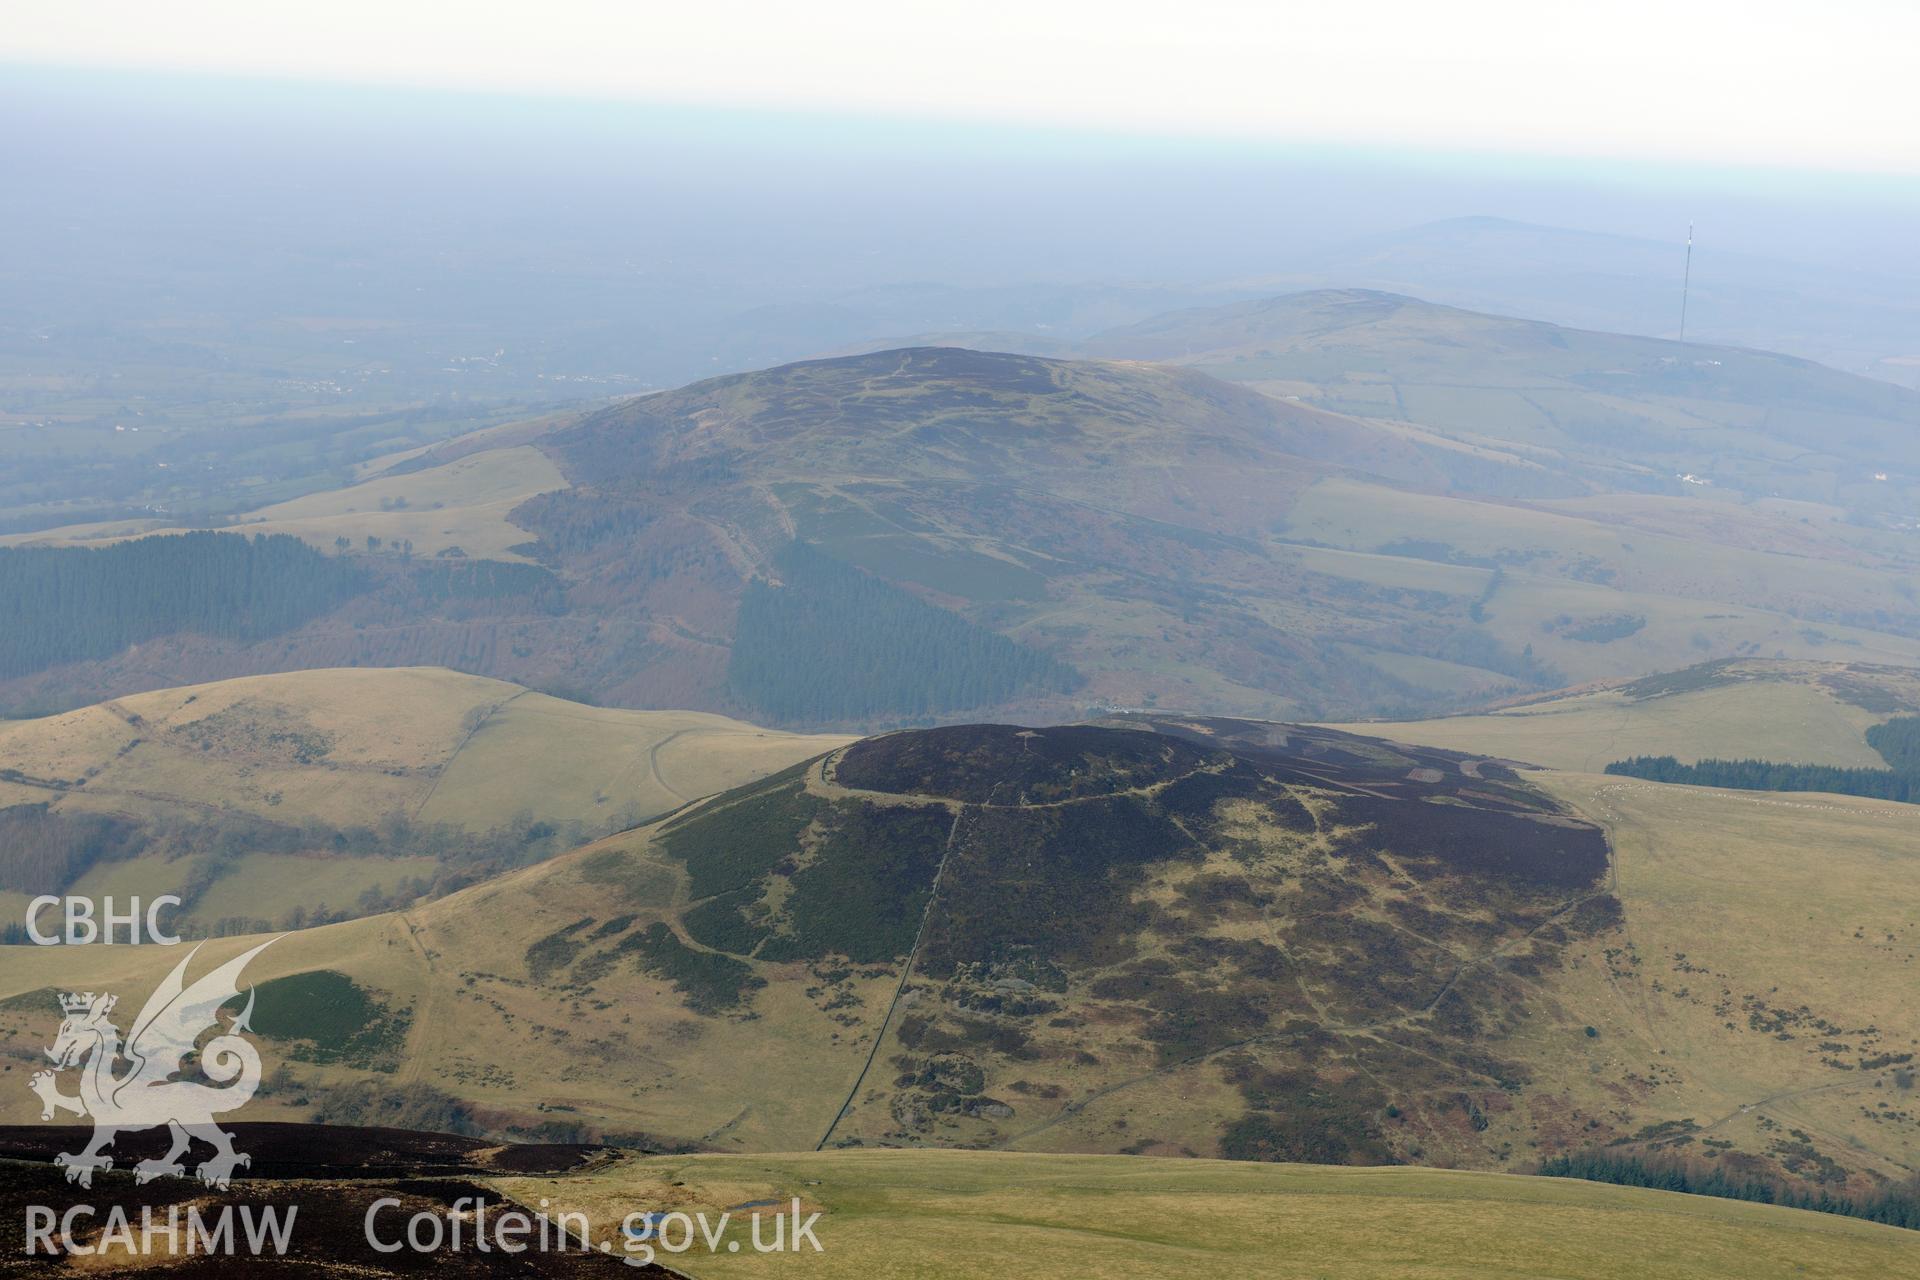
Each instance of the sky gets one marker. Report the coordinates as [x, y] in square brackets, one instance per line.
[669, 192]
[1757, 83]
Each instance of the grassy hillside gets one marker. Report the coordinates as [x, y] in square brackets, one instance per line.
[1218, 939]
[1715, 502]
[1552, 577]
[359, 745]
[1760, 1000]
[1802, 712]
[253, 762]
[1633, 406]
[462, 503]
[1747, 503]
[958, 1213]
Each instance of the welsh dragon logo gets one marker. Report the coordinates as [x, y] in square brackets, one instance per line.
[149, 1092]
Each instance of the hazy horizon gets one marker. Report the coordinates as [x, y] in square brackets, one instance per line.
[1700, 84]
[636, 237]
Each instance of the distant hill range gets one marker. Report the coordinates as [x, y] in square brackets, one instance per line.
[1324, 505]
[1858, 320]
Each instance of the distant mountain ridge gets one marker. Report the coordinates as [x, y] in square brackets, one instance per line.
[1844, 317]
[1619, 410]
